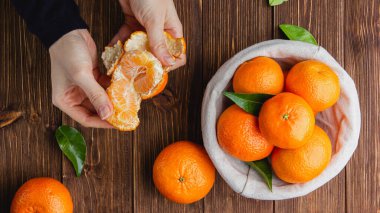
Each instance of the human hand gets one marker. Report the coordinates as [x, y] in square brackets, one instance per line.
[156, 17]
[76, 80]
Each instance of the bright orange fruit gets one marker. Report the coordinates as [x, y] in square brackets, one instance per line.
[315, 82]
[183, 172]
[305, 163]
[259, 75]
[42, 195]
[286, 121]
[239, 135]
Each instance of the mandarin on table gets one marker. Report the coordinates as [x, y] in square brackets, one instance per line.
[286, 121]
[259, 75]
[315, 82]
[183, 172]
[305, 163]
[239, 135]
[44, 195]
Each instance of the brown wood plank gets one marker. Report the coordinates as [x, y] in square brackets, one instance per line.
[172, 116]
[106, 184]
[27, 147]
[325, 20]
[228, 27]
[362, 61]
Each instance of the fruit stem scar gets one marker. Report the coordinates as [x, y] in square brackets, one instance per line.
[181, 179]
[285, 116]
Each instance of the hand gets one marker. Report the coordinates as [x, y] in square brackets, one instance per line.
[156, 16]
[76, 80]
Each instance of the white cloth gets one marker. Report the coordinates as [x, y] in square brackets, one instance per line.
[341, 122]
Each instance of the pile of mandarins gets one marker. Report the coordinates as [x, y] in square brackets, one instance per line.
[285, 128]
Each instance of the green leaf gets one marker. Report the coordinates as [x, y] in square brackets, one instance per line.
[264, 169]
[297, 33]
[72, 145]
[250, 103]
[276, 2]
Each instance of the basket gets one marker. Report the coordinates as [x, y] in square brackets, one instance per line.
[341, 121]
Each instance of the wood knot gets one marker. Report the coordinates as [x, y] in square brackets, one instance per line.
[165, 100]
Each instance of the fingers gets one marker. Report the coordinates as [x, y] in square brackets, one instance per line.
[157, 44]
[85, 117]
[179, 62]
[95, 93]
[172, 24]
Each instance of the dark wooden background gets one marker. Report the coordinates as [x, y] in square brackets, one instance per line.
[118, 172]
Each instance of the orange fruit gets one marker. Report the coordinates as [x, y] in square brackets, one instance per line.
[259, 75]
[239, 135]
[183, 172]
[305, 163]
[315, 82]
[42, 195]
[136, 74]
[286, 121]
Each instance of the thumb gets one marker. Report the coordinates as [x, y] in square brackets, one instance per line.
[96, 94]
[157, 43]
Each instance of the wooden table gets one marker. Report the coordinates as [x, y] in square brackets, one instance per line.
[118, 172]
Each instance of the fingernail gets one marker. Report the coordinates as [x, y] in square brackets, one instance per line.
[104, 112]
[169, 60]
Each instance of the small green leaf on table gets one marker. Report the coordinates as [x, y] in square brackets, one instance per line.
[250, 103]
[264, 169]
[276, 2]
[297, 33]
[72, 144]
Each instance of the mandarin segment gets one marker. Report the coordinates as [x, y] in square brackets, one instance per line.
[42, 195]
[239, 135]
[315, 82]
[144, 69]
[305, 163]
[183, 172]
[259, 75]
[159, 88]
[286, 121]
[125, 101]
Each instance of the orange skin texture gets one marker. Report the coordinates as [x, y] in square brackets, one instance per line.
[286, 121]
[183, 172]
[239, 135]
[305, 163]
[42, 195]
[159, 88]
[315, 82]
[259, 75]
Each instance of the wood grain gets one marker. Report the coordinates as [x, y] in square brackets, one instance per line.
[317, 16]
[228, 27]
[118, 171]
[27, 147]
[362, 61]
